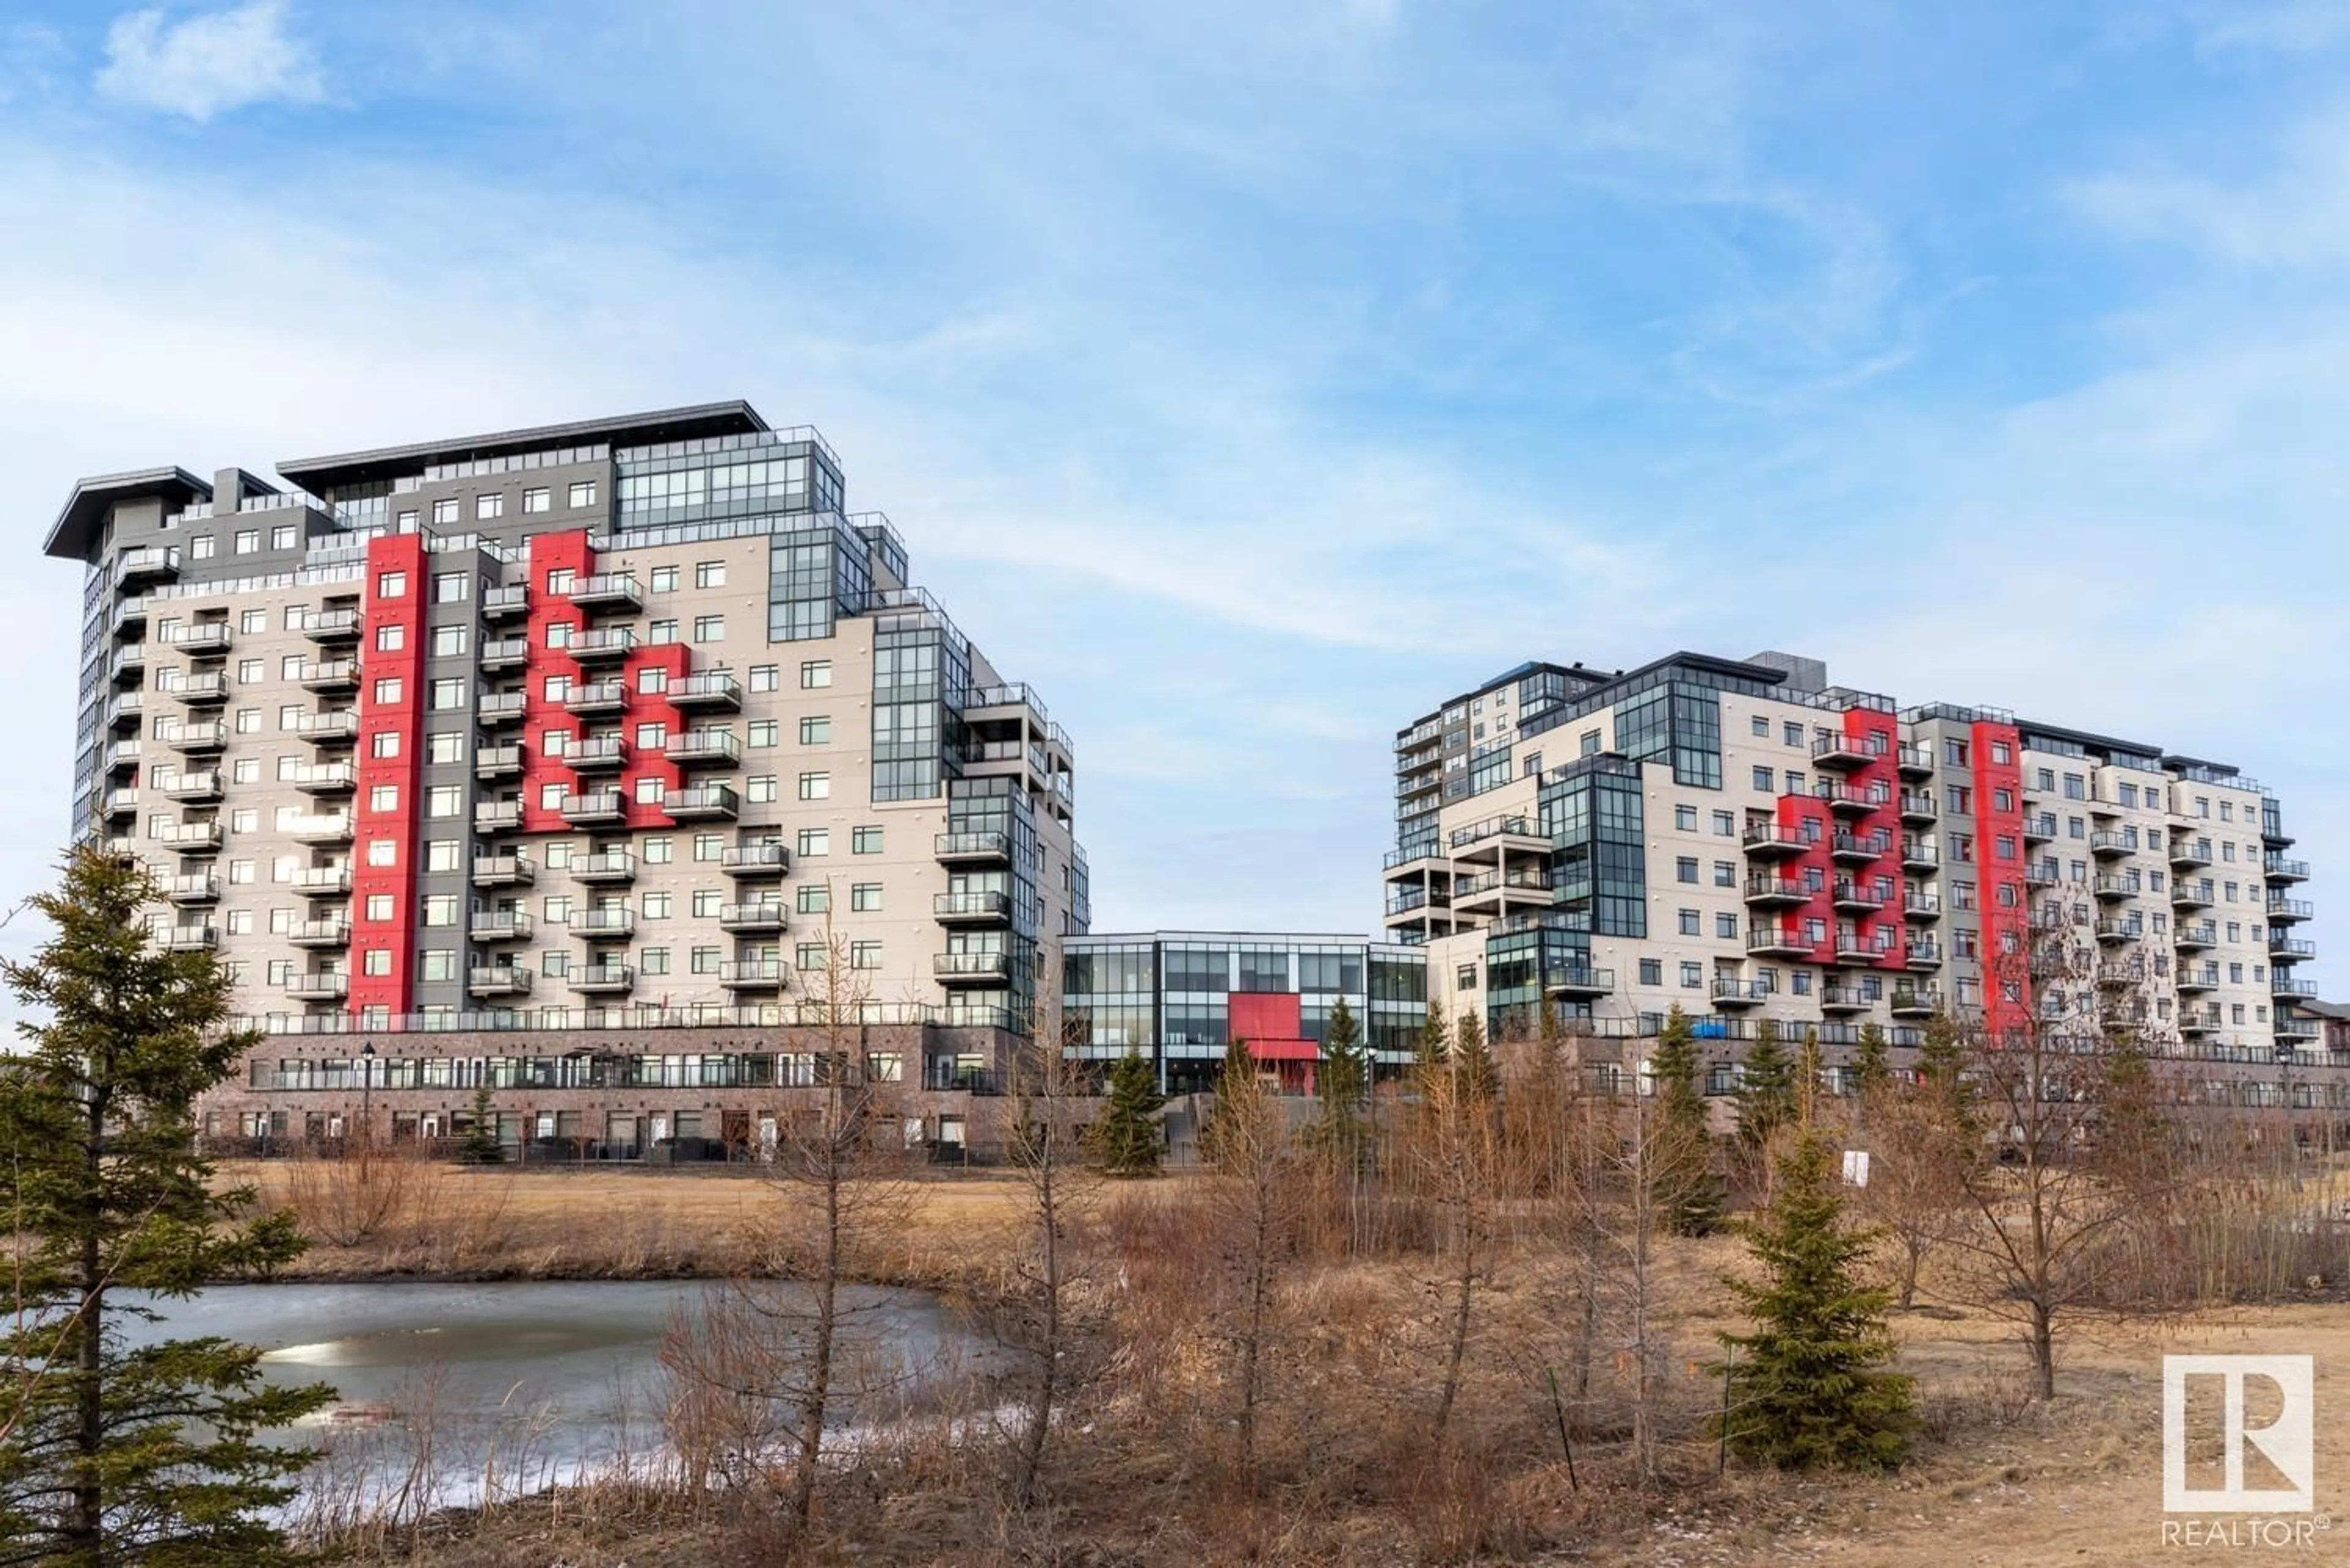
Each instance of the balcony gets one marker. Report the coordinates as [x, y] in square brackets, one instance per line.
[325, 778]
[604, 923]
[123, 801]
[129, 614]
[1918, 806]
[206, 735]
[1486, 843]
[200, 639]
[504, 871]
[2283, 985]
[600, 754]
[1922, 955]
[2187, 895]
[320, 827]
[2194, 982]
[202, 887]
[497, 979]
[329, 933]
[330, 626]
[499, 707]
[607, 591]
[1915, 760]
[593, 807]
[505, 603]
[597, 698]
[189, 938]
[323, 882]
[335, 726]
[603, 979]
[1846, 801]
[2039, 828]
[703, 802]
[327, 675]
[2113, 889]
[1777, 942]
[1920, 906]
[2291, 950]
[1841, 999]
[2203, 935]
[497, 815]
[974, 849]
[605, 867]
[977, 907]
[714, 689]
[1915, 1001]
[1776, 893]
[1857, 898]
[751, 974]
[129, 665]
[1841, 751]
[745, 861]
[2112, 845]
[765, 916]
[190, 837]
[2121, 972]
[2192, 1022]
[607, 645]
[1492, 893]
[149, 563]
[504, 653]
[970, 968]
[498, 926]
[704, 749]
[1916, 855]
[2114, 931]
[2286, 911]
[1768, 841]
[1856, 846]
[1579, 980]
[499, 761]
[2295, 1026]
[127, 711]
[323, 985]
[195, 789]
[1851, 947]
[207, 689]
[2041, 874]
[2187, 856]
[1741, 994]
[2280, 870]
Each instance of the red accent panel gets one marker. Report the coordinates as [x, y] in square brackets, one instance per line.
[652, 706]
[1265, 1016]
[2006, 928]
[1884, 930]
[403, 554]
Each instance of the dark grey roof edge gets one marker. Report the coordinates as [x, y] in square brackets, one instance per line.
[2089, 739]
[77, 524]
[736, 411]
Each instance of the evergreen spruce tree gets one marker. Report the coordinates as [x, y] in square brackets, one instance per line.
[1808, 1387]
[1342, 1085]
[1869, 1063]
[1766, 1090]
[1126, 1138]
[111, 1453]
[1435, 1036]
[1683, 1179]
[1482, 1078]
[480, 1144]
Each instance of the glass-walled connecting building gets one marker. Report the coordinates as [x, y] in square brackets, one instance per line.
[1182, 997]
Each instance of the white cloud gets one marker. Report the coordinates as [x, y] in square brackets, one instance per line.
[209, 64]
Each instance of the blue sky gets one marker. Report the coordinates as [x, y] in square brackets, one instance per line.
[1251, 378]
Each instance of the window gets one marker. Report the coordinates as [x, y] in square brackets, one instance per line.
[1794, 781]
[282, 537]
[810, 955]
[445, 511]
[864, 898]
[247, 769]
[248, 540]
[1692, 923]
[1685, 819]
[537, 499]
[388, 692]
[583, 493]
[550, 796]
[436, 963]
[1692, 976]
[865, 955]
[1725, 926]
[660, 850]
[1765, 778]
[664, 579]
[1725, 823]
[447, 746]
[814, 674]
[763, 677]
[383, 852]
[815, 897]
[710, 629]
[376, 960]
[1725, 874]
[710, 573]
[244, 821]
[761, 733]
[441, 854]
[383, 798]
[488, 506]
[1762, 727]
[391, 585]
[815, 786]
[444, 801]
[1954, 753]
[1685, 868]
[448, 695]
[1590, 743]
[1652, 970]
[439, 909]
[1465, 977]
[449, 642]
[865, 841]
[655, 906]
[814, 841]
[709, 847]
[248, 721]
[1790, 731]
[240, 871]
[257, 620]
[649, 789]
[815, 730]
[662, 631]
[2001, 752]
[760, 789]
[2076, 787]
[202, 547]
[452, 587]
[653, 961]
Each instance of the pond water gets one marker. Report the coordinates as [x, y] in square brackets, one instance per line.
[511, 1385]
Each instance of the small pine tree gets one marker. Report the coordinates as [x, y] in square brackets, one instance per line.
[1869, 1063]
[1435, 1037]
[1684, 1182]
[480, 1144]
[1766, 1091]
[1125, 1139]
[111, 1453]
[1808, 1387]
[1482, 1078]
[1342, 1083]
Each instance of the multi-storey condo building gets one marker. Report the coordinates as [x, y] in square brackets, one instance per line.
[1742, 839]
[557, 759]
